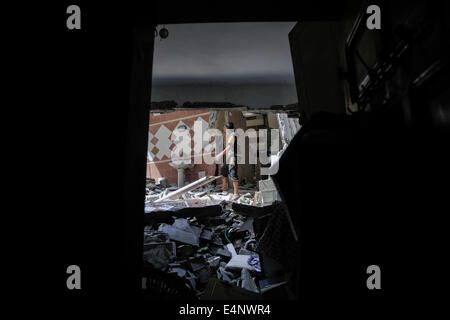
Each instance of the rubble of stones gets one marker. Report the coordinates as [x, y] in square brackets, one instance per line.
[198, 248]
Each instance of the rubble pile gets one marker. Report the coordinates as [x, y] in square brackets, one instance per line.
[206, 194]
[197, 249]
[199, 236]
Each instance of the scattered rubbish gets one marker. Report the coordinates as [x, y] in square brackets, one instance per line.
[162, 182]
[214, 262]
[246, 252]
[155, 236]
[181, 231]
[217, 241]
[184, 251]
[197, 236]
[239, 262]
[224, 253]
[250, 245]
[253, 261]
[150, 184]
[203, 250]
[247, 281]
[231, 249]
[179, 271]
[158, 255]
[222, 274]
[192, 186]
[235, 233]
[197, 263]
[206, 234]
[203, 274]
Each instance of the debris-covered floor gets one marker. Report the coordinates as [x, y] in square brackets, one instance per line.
[202, 245]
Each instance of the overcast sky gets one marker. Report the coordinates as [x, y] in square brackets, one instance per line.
[230, 52]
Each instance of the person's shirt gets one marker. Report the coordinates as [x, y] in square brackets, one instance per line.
[231, 153]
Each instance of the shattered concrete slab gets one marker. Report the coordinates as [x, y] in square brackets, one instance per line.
[206, 234]
[214, 261]
[155, 236]
[224, 254]
[197, 263]
[181, 233]
[247, 282]
[179, 271]
[174, 205]
[158, 254]
[203, 274]
[227, 276]
[184, 251]
[239, 262]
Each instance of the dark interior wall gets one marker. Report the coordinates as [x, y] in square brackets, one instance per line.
[321, 59]
[375, 203]
[315, 57]
[82, 79]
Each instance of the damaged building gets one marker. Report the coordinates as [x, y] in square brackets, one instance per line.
[196, 233]
[201, 242]
[123, 213]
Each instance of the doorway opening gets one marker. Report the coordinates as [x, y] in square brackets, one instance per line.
[223, 111]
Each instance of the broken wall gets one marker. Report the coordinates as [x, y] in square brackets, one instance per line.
[160, 146]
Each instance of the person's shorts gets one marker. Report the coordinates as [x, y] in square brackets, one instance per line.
[229, 169]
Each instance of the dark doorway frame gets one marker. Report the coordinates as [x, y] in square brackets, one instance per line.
[140, 100]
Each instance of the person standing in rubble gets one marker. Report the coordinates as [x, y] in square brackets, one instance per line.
[229, 167]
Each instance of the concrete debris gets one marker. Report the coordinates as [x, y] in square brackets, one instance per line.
[203, 274]
[253, 261]
[150, 184]
[155, 236]
[206, 234]
[158, 254]
[184, 251]
[197, 263]
[247, 281]
[224, 253]
[162, 182]
[197, 235]
[222, 274]
[192, 186]
[179, 271]
[214, 262]
[239, 262]
[203, 250]
[231, 249]
[244, 251]
[184, 235]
